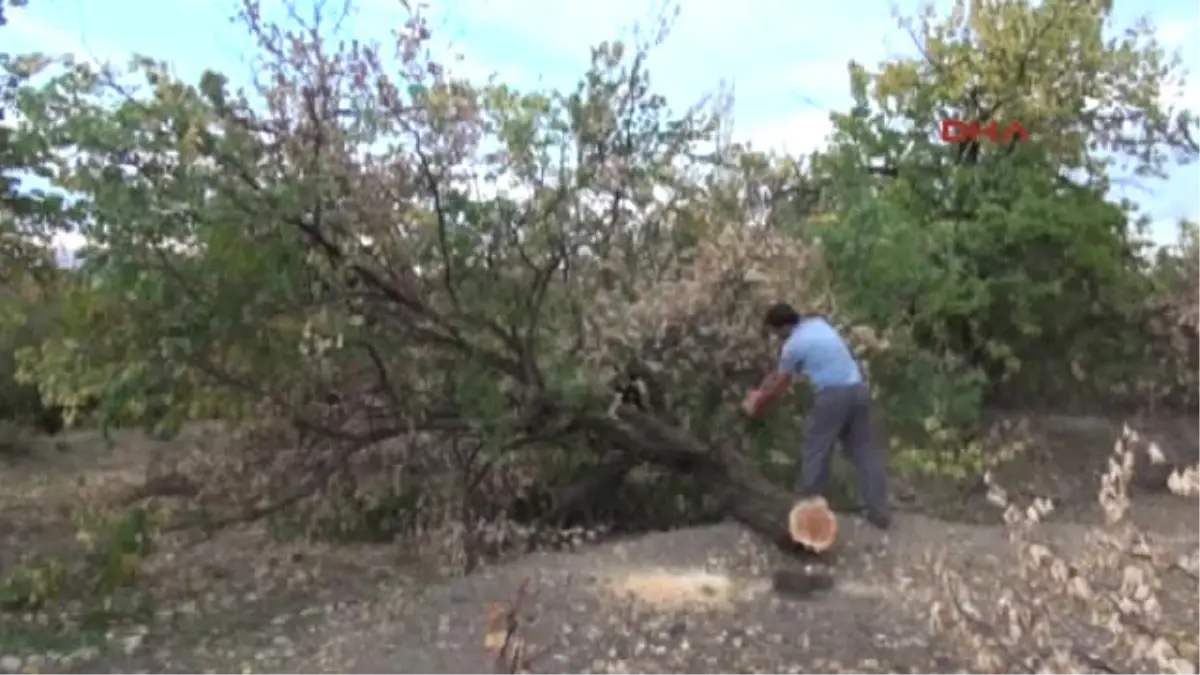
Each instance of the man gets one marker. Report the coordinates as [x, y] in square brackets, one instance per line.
[841, 408]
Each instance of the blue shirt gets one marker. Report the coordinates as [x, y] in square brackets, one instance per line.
[815, 350]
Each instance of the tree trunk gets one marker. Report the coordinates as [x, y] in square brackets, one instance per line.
[744, 493]
[748, 496]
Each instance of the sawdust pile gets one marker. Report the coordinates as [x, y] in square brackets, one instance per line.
[675, 589]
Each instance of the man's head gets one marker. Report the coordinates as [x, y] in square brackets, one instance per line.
[780, 319]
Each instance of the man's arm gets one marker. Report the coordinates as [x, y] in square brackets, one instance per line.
[776, 384]
[773, 387]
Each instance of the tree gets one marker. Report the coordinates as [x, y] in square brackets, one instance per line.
[1089, 101]
[28, 275]
[992, 252]
[385, 251]
[23, 244]
[366, 250]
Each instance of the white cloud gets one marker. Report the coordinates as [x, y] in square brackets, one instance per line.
[461, 61]
[568, 28]
[812, 80]
[34, 34]
[787, 60]
[1176, 33]
[1162, 233]
[800, 133]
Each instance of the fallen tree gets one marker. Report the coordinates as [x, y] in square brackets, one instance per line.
[331, 263]
[727, 473]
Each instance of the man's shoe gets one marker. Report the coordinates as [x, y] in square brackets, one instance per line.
[880, 520]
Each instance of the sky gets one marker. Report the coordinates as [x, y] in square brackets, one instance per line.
[785, 58]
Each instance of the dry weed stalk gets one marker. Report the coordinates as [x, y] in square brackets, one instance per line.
[503, 639]
[1100, 610]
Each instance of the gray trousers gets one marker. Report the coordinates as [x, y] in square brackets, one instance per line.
[843, 413]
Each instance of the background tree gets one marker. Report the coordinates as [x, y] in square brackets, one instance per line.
[28, 273]
[1001, 255]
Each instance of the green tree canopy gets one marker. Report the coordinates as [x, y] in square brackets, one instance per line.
[992, 252]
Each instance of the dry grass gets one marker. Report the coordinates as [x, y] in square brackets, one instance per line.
[1101, 607]
[238, 578]
[503, 638]
[1123, 586]
[1123, 601]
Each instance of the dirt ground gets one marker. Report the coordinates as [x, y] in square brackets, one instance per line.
[692, 600]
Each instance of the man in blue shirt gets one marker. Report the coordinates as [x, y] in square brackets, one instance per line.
[841, 408]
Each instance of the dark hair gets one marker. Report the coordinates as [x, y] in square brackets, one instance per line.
[781, 315]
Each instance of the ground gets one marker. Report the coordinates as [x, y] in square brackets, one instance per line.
[692, 600]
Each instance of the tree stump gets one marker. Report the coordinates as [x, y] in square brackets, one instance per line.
[813, 524]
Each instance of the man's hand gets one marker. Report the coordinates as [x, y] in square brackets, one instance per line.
[774, 387]
[752, 403]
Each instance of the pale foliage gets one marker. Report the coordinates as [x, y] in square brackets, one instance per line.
[714, 296]
[1083, 606]
[698, 323]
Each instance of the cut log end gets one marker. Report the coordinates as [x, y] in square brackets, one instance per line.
[812, 524]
